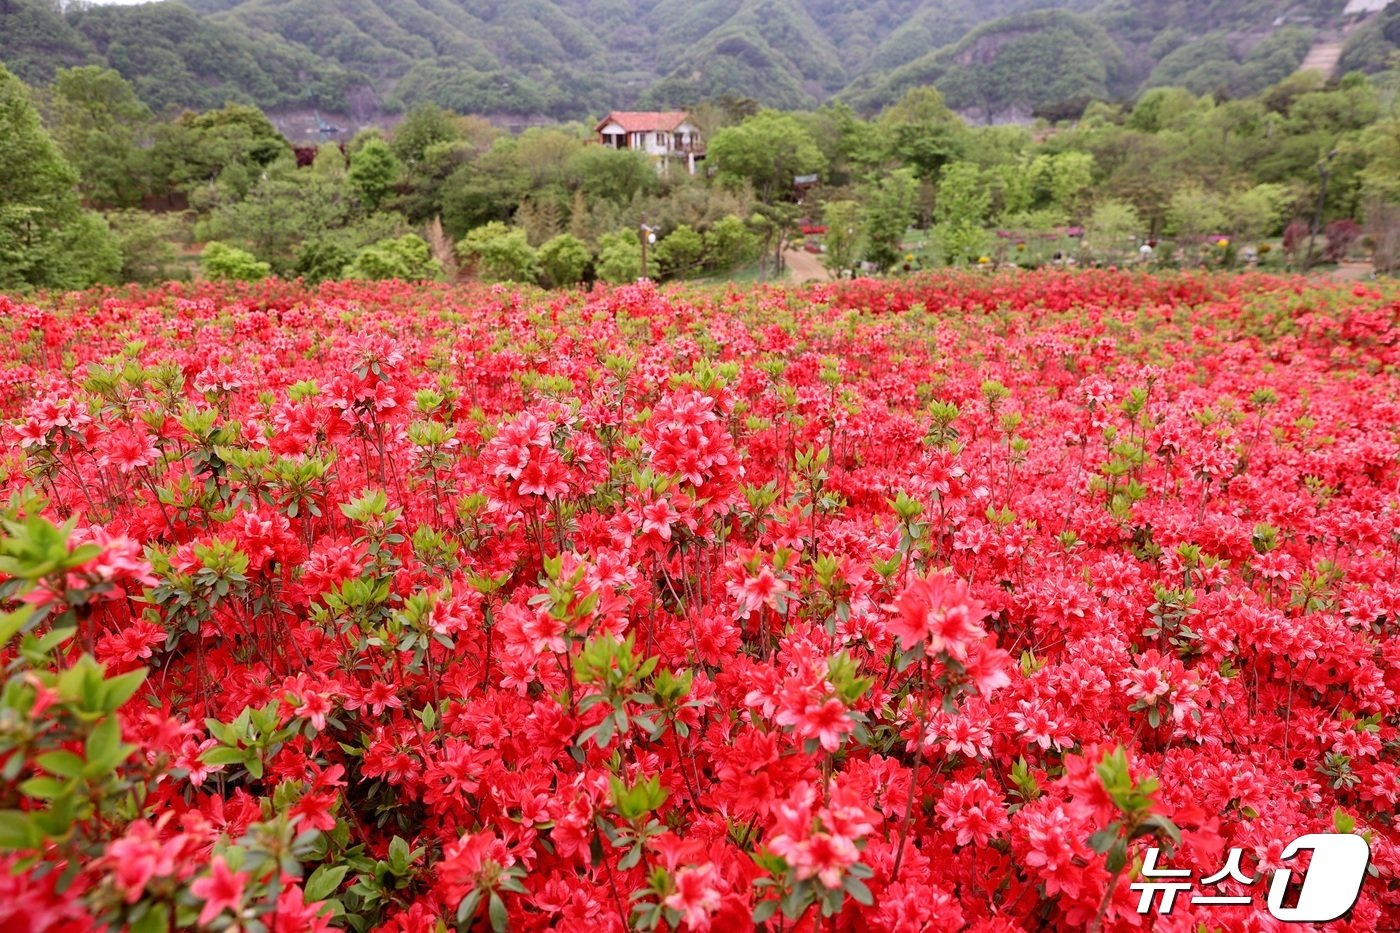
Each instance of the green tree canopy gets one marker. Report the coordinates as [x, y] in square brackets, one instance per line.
[500, 254]
[889, 209]
[407, 258]
[769, 151]
[680, 251]
[620, 257]
[373, 169]
[224, 263]
[96, 118]
[563, 260]
[46, 239]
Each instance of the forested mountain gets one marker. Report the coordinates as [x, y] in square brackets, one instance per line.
[993, 59]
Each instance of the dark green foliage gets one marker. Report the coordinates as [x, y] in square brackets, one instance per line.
[1009, 67]
[1211, 66]
[373, 169]
[96, 119]
[46, 239]
[172, 56]
[147, 244]
[35, 41]
[1371, 47]
[579, 58]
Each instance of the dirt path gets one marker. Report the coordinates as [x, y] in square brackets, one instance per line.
[1348, 271]
[1323, 57]
[805, 267]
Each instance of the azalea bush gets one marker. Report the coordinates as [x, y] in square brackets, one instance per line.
[949, 603]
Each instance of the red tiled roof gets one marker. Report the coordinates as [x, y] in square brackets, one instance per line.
[644, 121]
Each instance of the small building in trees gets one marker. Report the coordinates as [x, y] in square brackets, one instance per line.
[663, 134]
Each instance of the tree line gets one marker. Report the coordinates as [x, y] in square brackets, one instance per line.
[101, 191]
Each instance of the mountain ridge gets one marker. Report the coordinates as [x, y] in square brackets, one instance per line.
[571, 59]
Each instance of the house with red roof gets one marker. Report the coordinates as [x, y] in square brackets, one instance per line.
[662, 134]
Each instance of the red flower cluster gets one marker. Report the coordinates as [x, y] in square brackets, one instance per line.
[955, 603]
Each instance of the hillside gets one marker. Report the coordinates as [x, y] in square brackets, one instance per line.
[1005, 69]
[569, 59]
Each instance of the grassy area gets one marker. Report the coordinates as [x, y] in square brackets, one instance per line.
[739, 275]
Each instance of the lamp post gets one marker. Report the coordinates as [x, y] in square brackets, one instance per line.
[1324, 168]
[648, 237]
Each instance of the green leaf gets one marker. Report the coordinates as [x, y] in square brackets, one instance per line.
[104, 746]
[155, 920]
[223, 755]
[62, 763]
[398, 856]
[858, 890]
[467, 909]
[1104, 839]
[500, 919]
[17, 831]
[44, 788]
[324, 881]
[12, 622]
[765, 911]
[120, 689]
[1117, 856]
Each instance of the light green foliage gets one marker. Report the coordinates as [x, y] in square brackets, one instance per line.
[1380, 180]
[1112, 228]
[1195, 211]
[889, 209]
[286, 207]
[563, 260]
[619, 257]
[486, 189]
[681, 251]
[65, 732]
[1066, 177]
[217, 156]
[963, 195]
[326, 255]
[921, 133]
[729, 243]
[616, 175]
[1258, 211]
[843, 232]
[406, 258]
[1162, 108]
[224, 263]
[423, 127]
[964, 199]
[499, 254]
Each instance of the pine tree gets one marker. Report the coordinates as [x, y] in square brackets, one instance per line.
[581, 221]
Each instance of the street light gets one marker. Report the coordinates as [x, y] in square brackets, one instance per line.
[648, 237]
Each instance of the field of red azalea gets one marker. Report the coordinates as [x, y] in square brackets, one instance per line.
[1042, 602]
